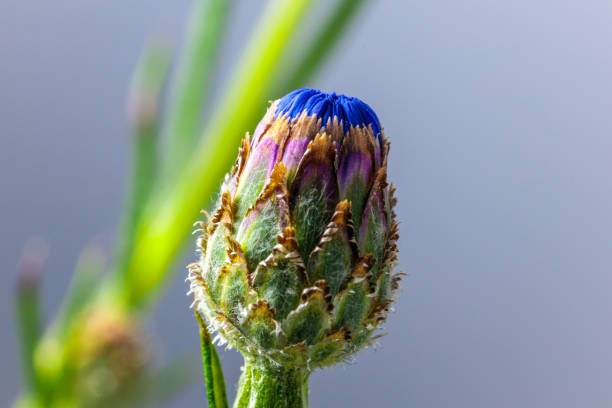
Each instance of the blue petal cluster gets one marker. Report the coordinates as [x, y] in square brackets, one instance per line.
[350, 110]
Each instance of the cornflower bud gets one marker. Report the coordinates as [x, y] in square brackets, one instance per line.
[296, 262]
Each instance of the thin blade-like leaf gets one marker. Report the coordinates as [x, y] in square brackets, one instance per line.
[87, 275]
[145, 93]
[27, 307]
[213, 372]
[189, 89]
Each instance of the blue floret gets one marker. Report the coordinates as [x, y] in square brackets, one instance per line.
[350, 110]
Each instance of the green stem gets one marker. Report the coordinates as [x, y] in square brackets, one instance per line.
[202, 39]
[327, 37]
[267, 385]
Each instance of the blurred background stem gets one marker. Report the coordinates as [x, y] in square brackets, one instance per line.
[163, 228]
[29, 320]
[189, 92]
[172, 179]
[326, 38]
[143, 106]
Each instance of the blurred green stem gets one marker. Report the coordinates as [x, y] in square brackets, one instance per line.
[203, 37]
[27, 308]
[327, 37]
[85, 280]
[143, 103]
[164, 226]
[28, 316]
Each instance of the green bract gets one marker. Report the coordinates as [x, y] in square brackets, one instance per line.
[296, 261]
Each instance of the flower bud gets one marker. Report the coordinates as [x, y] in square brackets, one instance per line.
[296, 261]
[111, 356]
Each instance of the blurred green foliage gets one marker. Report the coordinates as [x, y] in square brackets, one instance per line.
[94, 353]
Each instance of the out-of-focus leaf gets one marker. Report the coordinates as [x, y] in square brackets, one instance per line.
[143, 105]
[204, 33]
[82, 289]
[27, 307]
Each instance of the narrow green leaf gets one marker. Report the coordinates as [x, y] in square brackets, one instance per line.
[27, 307]
[143, 102]
[147, 84]
[213, 372]
[28, 317]
[207, 21]
[217, 369]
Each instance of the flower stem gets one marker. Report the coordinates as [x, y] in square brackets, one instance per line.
[264, 384]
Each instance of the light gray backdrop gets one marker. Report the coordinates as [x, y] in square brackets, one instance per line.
[500, 117]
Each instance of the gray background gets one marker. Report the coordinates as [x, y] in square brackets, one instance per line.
[499, 115]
